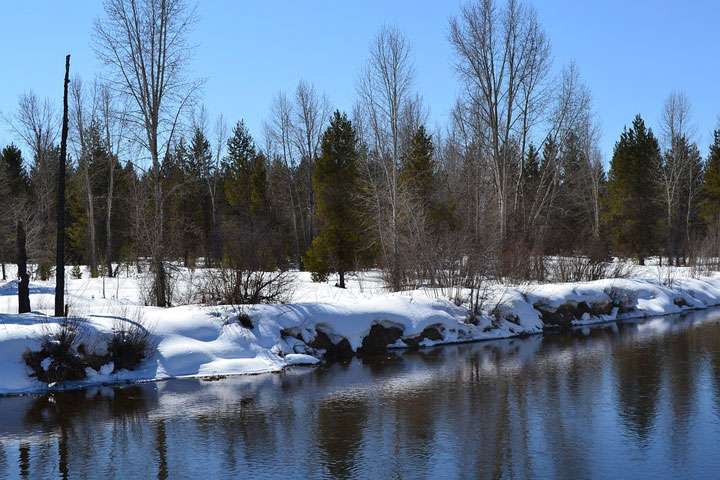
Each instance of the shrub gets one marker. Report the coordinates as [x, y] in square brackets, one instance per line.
[58, 359]
[129, 345]
[63, 355]
[230, 286]
[245, 320]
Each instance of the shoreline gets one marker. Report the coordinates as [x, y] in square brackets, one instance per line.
[207, 341]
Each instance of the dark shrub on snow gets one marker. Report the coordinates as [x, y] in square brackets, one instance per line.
[58, 359]
[129, 346]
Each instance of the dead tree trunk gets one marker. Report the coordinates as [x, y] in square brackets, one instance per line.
[24, 284]
[60, 250]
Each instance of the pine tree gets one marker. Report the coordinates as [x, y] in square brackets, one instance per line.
[13, 172]
[710, 206]
[336, 183]
[711, 185]
[633, 205]
[417, 173]
[238, 166]
[258, 186]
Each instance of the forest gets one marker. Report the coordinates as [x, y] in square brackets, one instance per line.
[514, 188]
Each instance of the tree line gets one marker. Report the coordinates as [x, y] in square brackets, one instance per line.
[514, 177]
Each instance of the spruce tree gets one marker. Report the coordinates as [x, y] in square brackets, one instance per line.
[711, 185]
[336, 182]
[258, 186]
[633, 203]
[238, 165]
[13, 172]
[417, 173]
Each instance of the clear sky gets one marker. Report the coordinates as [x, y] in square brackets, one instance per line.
[631, 53]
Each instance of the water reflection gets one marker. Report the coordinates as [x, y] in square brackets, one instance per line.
[605, 402]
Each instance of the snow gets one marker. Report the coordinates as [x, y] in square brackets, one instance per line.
[193, 340]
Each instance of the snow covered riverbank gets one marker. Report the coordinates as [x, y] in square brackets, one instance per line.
[322, 320]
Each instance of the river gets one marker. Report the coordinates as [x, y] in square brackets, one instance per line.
[627, 400]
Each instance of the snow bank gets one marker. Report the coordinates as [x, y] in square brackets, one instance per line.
[207, 341]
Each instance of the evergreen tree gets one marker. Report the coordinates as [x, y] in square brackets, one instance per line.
[633, 202]
[14, 188]
[531, 168]
[336, 182]
[711, 185]
[238, 165]
[710, 203]
[417, 173]
[258, 186]
[13, 171]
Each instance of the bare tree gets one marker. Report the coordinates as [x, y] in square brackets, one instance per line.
[677, 173]
[145, 45]
[312, 112]
[384, 90]
[81, 113]
[212, 178]
[280, 135]
[36, 123]
[114, 123]
[502, 57]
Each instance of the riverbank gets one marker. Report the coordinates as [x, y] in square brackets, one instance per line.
[321, 322]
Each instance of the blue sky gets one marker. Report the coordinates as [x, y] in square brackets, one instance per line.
[630, 53]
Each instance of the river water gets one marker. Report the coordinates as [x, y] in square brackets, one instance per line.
[628, 400]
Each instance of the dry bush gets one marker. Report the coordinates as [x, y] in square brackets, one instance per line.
[576, 268]
[520, 262]
[59, 358]
[225, 285]
[129, 345]
[252, 270]
[622, 269]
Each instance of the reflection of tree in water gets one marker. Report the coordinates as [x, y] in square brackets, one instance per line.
[482, 403]
[161, 448]
[3, 458]
[24, 460]
[74, 416]
[638, 375]
[247, 432]
[681, 366]
[711, 344]
[566, 389]
[340, 426]
[130, 404]
[60, 414]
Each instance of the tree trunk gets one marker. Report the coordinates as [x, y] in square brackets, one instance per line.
[24, 284]
[60, 250]
[91, 220]
[108, 218]
[215, 234]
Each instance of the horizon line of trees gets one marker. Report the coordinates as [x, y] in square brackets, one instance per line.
[516, 176]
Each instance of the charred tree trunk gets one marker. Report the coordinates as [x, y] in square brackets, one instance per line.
[24, 284]
[60, 250]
